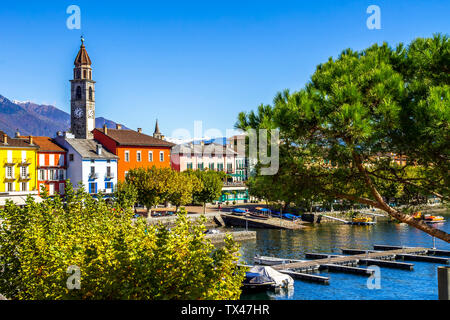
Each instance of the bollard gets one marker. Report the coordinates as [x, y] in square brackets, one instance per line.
[444, 283]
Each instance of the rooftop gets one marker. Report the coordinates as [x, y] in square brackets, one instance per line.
[126, 137]
[87, 148]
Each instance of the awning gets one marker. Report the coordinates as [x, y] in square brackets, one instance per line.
[18, 200]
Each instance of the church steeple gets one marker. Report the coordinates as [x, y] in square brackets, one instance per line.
[157, 134]
[82, 96]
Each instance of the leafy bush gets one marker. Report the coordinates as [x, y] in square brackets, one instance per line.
[118, 257]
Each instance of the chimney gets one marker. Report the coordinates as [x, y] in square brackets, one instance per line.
[139, 130]
[5, 138]
[105, 129]
[99, 149]
[30, 139]
[17, 133]
[118, 126]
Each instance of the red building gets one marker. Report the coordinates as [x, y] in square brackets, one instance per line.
[51, 166]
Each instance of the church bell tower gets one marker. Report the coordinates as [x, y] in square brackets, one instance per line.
[82, 101]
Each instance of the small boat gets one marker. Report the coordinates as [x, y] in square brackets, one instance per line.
[361, 221]
[258, 215]
[433, 219]
[271, 261]
[290, 216]
[239, 212]
[261, 278]
[275, 214]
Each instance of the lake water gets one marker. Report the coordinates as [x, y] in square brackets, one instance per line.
[421, 283]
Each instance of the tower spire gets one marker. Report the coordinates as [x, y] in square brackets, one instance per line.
[157, 134]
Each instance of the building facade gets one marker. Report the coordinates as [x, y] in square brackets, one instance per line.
[201, 156]
[90, 164]
[51, 166]
[18, 172]
[135, 149]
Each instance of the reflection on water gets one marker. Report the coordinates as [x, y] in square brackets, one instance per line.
[329, 238]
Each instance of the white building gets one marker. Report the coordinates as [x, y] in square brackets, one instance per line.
[89, 163]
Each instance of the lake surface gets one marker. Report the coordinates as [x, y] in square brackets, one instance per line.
[421, 283]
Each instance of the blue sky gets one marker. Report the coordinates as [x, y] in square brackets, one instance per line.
[181, 61]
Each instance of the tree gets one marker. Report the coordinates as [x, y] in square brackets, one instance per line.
[212, 182]
[342, 129]
[153, 185]
[118, 258]
[184, 188]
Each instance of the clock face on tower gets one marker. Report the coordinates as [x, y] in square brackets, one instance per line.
[91, 113]
[78, 113]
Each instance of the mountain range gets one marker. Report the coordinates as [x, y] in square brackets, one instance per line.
[37, 119]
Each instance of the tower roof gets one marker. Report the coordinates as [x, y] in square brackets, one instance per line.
[82, 56]
[156, 128]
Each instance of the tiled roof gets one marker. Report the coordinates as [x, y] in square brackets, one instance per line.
[133, 138]
[87, 148]
[47, 144]
[15, 142]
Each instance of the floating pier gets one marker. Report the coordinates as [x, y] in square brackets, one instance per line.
[346, 269]
[432, 251]
[306, 276]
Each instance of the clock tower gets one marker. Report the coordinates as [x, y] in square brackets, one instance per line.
[82, 101]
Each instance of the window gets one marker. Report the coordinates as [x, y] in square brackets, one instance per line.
[23, 172]
[92, 172]
[61, 160]
[84, 74]
[10, 187]
[78, 93]
[138, 156]
[189, 165]
[71, 157]
[90, 93]
[53, 174]
[51, 160]
[220, 166]
[211, 166]
[93, 187]
[9, 172]
[229, 167]
[108, 172]
[24, 186]
[200, 166]
[108, 185]
[61, 189]
[161, 156]
[42, 175]
[62, 175]
[127, 156]
[42, 159]
[150, 156]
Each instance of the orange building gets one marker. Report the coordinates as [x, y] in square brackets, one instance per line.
[134, 148]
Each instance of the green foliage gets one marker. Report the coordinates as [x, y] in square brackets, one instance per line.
[118, 258]
[212, 182]
[338, 132]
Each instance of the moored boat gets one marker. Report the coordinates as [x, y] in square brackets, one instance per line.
[239, 212]
[433, 219]
[265, 278]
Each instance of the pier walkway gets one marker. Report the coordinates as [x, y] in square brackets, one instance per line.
[350, 260]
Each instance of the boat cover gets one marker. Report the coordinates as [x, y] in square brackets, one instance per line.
[282, 280]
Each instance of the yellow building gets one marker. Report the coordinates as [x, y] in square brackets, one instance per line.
[18, 178]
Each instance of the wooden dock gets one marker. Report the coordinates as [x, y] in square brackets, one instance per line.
[343, 260]
[271, 223]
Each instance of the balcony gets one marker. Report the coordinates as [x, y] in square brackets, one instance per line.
[93, 176]
[109, 176]
[23, 162]
[9, 162]
[24, 177]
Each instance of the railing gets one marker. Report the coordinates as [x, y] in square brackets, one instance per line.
[109, 176]
[23, 162]
[93, 176]
[24, 177]
[234, 184]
